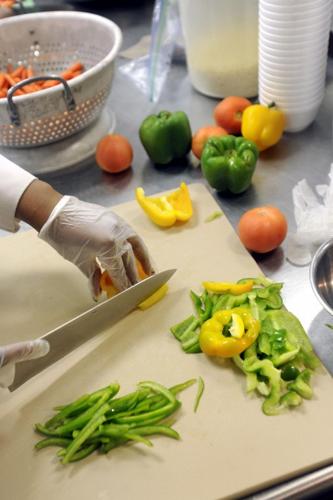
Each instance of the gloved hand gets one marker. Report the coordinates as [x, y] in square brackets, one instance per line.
[93, 237]
[21, 351]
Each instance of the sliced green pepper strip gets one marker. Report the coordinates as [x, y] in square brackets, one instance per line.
[53, 441]
[187, 333]
[156, 429]
[201, 388]
[68, 410]
[290, 399]
[125, 403]
[97, 420]
[80, 421]
[175, 389]
[131, 436]
[84, 452]
[283, 319]
[196, 302]
[302, 385]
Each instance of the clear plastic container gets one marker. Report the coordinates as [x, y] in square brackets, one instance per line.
[221, 44]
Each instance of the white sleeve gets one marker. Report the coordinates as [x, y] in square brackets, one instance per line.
[13, 182]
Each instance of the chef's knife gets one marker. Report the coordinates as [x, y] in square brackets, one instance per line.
[78, 330]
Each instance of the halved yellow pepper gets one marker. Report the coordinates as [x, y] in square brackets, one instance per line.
[155, 297]
[214, 343]
[107, 286]
[225, 287]
[165, 210]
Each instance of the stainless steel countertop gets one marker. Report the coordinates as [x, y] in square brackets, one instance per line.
[303, 155]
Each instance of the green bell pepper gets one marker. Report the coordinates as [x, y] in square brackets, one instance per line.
[166, 136]
[228, 163]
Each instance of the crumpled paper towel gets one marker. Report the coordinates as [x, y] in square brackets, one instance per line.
[313, 210]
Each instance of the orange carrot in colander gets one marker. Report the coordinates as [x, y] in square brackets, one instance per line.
[78, 66]
[2, 80]
[17, 72]
[13, 76]
[10, 79]
[49, 83]
[30, 72]
[69, 75]
[31, 87]
[24, 73]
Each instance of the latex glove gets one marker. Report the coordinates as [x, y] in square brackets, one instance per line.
[15, 353]
[93, 237]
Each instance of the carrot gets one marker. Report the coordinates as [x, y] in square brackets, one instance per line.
[2, 80]
[49, 83]
[68, 75]
[13, 75]
[10, 79]
[24, 73]
[75, 67]
[17, 72]
[30, 72]
[31, 87]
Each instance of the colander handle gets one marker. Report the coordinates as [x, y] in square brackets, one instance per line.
[12, 108]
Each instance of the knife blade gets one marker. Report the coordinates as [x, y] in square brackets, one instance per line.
[87, 325]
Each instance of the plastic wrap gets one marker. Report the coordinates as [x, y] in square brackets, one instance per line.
[150, 71]
[313, 210]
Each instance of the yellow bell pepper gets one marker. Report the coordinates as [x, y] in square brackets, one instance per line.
[155, 297]
[263, 125]
[212, 340]
[165, 210]
[107, 286]
[224, 287]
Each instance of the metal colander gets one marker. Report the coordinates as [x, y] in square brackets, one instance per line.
[50, 42]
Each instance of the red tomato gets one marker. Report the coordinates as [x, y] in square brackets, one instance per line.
[202, 135]
[228, 113]
[114, 153]
[262, 229]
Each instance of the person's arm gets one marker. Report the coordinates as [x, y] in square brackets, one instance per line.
[90, 236]
[36, 204]
[13, 182]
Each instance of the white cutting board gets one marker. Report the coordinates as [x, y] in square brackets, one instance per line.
[228, 447]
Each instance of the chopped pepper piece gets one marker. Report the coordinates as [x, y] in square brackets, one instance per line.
[237, 329]
[213, 340]
[225, 287]
[263, 125]
[166, 136]
[271, 405]
[302, 384]
[155, 297]
[107, 285]
[228, 163]
[165, 210]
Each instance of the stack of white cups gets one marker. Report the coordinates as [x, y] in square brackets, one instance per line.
[293, 45]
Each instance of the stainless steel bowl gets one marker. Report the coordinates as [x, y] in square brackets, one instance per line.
[321, 275]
